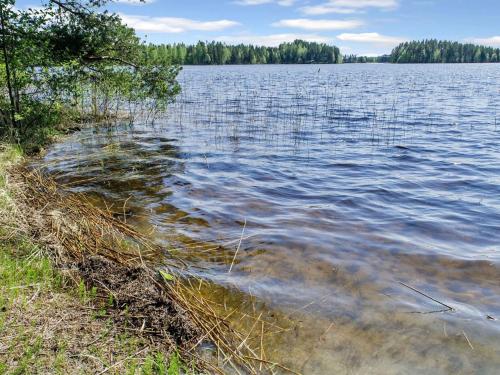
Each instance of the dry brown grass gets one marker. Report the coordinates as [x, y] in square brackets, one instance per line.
[49, 321]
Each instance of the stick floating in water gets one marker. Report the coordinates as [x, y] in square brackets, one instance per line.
[449, 308]
[238, 248]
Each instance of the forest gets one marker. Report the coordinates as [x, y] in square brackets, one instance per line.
[355, 59]
[303, 52]
[218, 53]
[435, 51]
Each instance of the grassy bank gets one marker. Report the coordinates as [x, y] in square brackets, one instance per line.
[83, 292]
[48, 322]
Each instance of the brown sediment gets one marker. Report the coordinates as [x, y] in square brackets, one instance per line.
[94, 246]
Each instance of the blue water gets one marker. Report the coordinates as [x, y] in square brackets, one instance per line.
[350, 179]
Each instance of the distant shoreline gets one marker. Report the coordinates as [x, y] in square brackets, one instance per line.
[308, 53]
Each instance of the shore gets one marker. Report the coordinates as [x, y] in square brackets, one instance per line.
[83, 292]
[64, 312]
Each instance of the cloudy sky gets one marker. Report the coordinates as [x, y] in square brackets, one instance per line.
[366, 27]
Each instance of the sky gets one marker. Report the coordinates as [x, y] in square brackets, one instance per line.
[363, 27]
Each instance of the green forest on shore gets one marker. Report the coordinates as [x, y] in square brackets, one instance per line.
[303, 52]
[218, 53]
[436, 51]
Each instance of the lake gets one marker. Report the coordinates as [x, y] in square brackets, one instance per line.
[353, 205]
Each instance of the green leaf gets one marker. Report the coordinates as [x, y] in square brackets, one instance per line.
[167, 276]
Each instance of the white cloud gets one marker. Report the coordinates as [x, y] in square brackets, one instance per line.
[348, 6]
[493, 41]
[372, 38]
[272, 40]
[284, 3]
[310, 24]
[173, 24]
[317, 10]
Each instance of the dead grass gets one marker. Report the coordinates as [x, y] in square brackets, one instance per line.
[116, 268]
[51, 322]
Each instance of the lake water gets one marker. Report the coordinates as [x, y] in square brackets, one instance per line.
[342, 187]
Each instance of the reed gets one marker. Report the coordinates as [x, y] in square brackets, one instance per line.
[325, 108]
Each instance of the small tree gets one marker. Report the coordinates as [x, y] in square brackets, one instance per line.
[69, 59]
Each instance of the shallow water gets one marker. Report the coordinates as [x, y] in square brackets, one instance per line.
[351, 180]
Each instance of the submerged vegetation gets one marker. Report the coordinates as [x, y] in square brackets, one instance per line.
[117, 292]
[218, 53]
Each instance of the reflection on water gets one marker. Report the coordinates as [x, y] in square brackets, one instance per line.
[351, 181]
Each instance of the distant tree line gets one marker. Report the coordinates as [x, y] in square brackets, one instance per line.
[302, 52]
[355, 59]
[435, 51]
[218, 53]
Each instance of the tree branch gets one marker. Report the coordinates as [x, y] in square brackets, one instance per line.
[110, 58]
[69, 9]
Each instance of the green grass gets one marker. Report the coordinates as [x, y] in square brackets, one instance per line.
[19, 272]
[22, 280]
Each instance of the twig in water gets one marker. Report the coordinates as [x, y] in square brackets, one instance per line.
[468, 341]
[272, 364]
[320, 339]
[262, 354]
[125, 208]
[238, 248]
[449, 308]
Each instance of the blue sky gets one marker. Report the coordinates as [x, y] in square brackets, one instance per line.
[367, 27]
